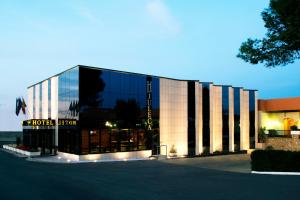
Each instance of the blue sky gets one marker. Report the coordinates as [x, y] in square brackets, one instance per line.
[195, 39]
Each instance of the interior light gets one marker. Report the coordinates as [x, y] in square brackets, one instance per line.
[108, 124]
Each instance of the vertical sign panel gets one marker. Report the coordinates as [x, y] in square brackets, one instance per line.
[149, 103]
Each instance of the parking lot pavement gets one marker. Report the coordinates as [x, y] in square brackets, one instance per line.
[231, 163]
[195, 178]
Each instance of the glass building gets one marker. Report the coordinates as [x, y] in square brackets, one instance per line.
[96, 112]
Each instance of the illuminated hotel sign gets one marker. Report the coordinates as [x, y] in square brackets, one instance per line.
[67, 122]
[149, 103]
[49, 122]
[39, 122]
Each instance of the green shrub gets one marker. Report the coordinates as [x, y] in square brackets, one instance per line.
[217, 153]
[262, 135]
[275, 160]
[273, 132]
[269, 147]
[294, 128]
[206, 151]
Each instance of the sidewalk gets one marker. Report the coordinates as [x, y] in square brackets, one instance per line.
[62, 160]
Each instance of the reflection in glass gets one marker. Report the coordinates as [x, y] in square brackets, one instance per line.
[114, 104]
[206, 115]
[237, 114]
[252, 118]
[225, 118]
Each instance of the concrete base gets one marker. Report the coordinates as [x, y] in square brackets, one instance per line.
[22, 152]
[118, 156]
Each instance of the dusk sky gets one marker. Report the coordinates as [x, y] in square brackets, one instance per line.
[194, 39]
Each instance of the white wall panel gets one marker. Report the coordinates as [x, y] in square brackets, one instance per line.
[231, 119]
[244, 121]
[30, 103]
[216, 119]
[198, 120]
[54, 104]
[256, 118]
[45, 99]
[37, 101]
[173, 115]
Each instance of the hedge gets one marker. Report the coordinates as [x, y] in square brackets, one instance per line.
[275, 160]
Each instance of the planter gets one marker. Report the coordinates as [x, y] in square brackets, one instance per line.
[295, 132]
[22, 152]
[260, 145]
[172, 155]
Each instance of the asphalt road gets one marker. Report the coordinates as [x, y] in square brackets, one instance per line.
[196, 178]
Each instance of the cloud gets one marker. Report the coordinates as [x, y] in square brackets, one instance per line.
[162, 16]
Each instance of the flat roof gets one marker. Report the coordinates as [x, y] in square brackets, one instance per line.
[279, 104]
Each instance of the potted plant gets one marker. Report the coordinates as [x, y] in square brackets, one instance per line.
[173, 152]
[273, 133]
[294, 128]
[262, 135]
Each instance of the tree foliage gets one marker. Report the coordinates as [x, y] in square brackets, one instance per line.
[281, 44]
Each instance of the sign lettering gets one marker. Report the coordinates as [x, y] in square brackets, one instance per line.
[67, 122]
[149, 103]
[48, 122]
[39, 122]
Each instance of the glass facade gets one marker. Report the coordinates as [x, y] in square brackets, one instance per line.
[68, 108]
[118, 111]
[225, 118]
[237, 117]
[252, 118]
[191, 118]
[206, 115]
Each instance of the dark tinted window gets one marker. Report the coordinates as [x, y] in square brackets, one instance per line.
[206, 115]
[69, 139]
[115, 109]
[225, 118]
[252, 118]
[237, 114]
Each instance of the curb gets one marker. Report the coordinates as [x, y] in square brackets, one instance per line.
[276, 173]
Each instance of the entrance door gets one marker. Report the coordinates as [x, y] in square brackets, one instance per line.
[47, 144]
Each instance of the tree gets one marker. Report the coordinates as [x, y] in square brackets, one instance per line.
[281, 44]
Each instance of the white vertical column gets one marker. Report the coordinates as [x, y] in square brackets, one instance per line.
[231, 120]
[37, 101]
[216, 124]
[54, 105]
[30, 103]
[218, 119]
[244, 122]
[173, 115]
[45, 99]
[198, 116]
[256, 118]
